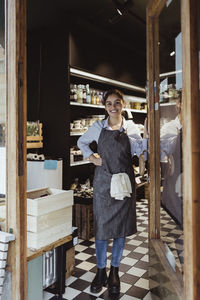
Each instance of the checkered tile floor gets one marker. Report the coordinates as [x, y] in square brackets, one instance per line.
[133, 269]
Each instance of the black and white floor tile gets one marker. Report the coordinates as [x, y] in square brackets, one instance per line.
[134, 265]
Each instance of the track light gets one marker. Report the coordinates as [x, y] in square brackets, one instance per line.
[121, 8]
[119, 12]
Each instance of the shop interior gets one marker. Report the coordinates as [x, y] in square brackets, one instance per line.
[77, 50]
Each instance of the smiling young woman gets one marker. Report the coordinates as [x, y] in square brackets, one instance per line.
[114, 208]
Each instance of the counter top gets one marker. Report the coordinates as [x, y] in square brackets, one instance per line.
[31, 253]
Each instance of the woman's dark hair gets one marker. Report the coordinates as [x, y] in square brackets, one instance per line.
[112, 92]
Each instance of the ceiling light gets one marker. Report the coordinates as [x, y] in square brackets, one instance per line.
[119, 11]
[172, 53]
[122, 7]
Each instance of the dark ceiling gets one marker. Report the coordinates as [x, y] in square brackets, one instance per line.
[129, 29]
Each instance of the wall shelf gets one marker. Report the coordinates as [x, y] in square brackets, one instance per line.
[78, 163]
[84, 74]
[76, 133]
[143, 111]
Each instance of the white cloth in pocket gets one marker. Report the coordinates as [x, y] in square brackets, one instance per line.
[120, 186]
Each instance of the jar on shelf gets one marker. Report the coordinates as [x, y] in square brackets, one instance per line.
[80, 94]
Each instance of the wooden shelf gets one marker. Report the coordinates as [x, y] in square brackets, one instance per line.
[87, 105]
[143, 111]
[31, 254]
[35, 141]
[76, 133]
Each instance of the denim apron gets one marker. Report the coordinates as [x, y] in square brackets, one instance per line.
[113, 218]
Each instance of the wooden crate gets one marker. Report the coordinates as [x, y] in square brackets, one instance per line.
[70, 262]
[35, 141]
[49, 216]
[83, 219]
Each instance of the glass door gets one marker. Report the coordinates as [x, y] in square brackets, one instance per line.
[173, 81]
[170, 107]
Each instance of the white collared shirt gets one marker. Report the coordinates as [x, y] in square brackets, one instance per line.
[168, 137]
[138, 145]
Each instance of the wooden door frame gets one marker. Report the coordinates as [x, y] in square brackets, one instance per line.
[16, 144]
[191, 141]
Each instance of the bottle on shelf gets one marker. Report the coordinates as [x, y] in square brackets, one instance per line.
[84, 93]
[93, 97]
[97, 98]
[101, 98]
[88, 96]
[73, 92]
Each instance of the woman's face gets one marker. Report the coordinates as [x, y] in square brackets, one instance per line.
[114, 105]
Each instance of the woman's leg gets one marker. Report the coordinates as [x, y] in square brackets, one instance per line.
[117, 250]
[113, 280]
[100, 279]
[101, 253]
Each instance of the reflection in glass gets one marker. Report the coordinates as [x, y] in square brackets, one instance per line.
[170, 54]
[2, 117]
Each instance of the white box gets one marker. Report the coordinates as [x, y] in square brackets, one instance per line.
[38, 177]
[43, 201]
[49, 216]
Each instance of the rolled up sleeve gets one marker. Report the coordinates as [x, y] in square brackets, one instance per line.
[92, 134]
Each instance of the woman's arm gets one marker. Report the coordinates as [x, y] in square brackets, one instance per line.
[138, 145]
[92, 134]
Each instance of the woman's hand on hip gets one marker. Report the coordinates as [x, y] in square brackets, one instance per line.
[96, 159]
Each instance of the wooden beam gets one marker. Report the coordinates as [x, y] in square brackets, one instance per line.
[155, 7]
[16, 143]
[191, 148]
[151, 125]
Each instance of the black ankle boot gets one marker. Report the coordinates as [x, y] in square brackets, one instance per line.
[113, 281]
[99, 281]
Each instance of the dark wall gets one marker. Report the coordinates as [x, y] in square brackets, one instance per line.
[47, 86]
[107, 56]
